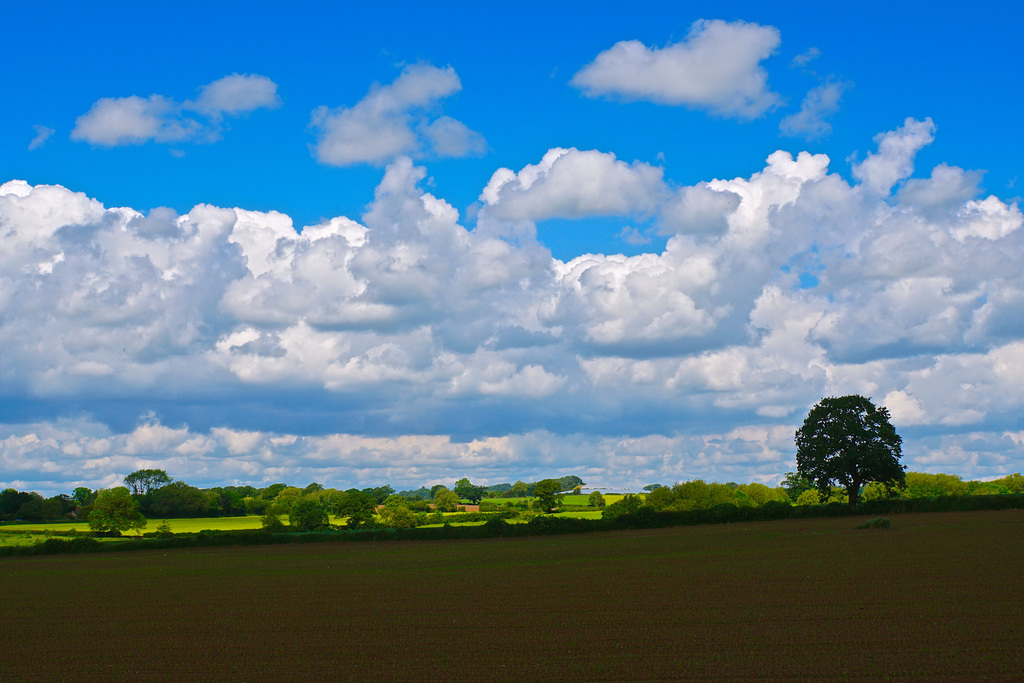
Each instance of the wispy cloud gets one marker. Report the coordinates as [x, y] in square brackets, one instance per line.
[811, 122]
[42, 134]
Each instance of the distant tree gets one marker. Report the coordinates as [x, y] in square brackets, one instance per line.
[518, 490]
[466, 489]
[58, 506]
[358, 507]
[699, 495]
[380, 493]
[11, 501]
[651, 487]
[1014, 483]
[270, 493]
[396, 513]
[809, 497]
[255, 506]
[83, 496]
[596, 500]
[761, 494]
[546, 492]
[795, 484]
[570, 482]
[141, 482]
[271, 522]
[923, 485]
[115, 510]
[286, 497]
[987, 488]
[32, 509]
[446, 501]
[627, 506]
[660, 497]
[308, 514]
[874, 490]
[395, 501]
[847, 441]
[403, 518]
[176, 499]
[313, 488]
[231, 503]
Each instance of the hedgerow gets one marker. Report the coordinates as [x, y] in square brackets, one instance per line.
[643, 517]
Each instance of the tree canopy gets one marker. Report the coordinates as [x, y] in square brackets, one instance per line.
[308, 514]
[546, 491]
[848, 442]
[115, 510]
[357, 506]
[142, 482]
[445, 500]
[464, 488]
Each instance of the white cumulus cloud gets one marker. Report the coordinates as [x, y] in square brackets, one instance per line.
[894, 160]
[133, 120]
[811, 122]
[395, 120]
[717, 68]
[569, 183]
[402, 345]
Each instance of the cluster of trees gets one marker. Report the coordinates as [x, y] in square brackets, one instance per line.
[520, 489]
[31, 506]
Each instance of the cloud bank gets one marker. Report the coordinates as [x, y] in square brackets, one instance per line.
[227, 346]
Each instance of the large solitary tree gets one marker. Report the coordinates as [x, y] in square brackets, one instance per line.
[847, 441]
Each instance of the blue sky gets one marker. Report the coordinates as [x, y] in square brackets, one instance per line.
[634, 243]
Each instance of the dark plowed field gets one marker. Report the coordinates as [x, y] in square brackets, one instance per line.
[936, 597]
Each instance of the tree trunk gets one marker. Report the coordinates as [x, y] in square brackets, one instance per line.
[853, 493]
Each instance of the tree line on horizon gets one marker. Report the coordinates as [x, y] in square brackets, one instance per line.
[156, 495]
[847, 451]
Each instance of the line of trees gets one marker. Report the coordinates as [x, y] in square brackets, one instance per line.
[152, 494]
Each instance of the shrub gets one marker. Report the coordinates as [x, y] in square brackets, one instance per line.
[272, 523]
[308, 514]
[876, 523]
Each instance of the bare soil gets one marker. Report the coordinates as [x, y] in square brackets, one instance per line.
[937, 597]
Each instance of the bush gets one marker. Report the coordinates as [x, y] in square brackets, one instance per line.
[876, 523]
[272, 523]
[80, 544]
[308, 514]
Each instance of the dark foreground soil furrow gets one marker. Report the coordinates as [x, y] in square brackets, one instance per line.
[936, 597]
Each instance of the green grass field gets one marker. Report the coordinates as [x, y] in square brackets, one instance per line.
[585, 514]
[568, 500]
[29, 533]
[936, 597]
[178, 526]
